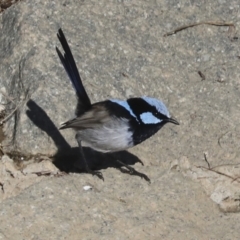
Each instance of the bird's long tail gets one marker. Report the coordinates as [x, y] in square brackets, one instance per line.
[69, 64]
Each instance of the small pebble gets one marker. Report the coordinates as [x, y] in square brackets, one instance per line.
[87, 187]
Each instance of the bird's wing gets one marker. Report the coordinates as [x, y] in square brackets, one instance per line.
[93, 118]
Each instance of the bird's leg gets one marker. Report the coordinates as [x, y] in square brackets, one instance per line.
[132, 171]
[88, 170]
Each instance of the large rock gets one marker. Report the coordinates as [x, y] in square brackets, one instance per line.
[121, 52]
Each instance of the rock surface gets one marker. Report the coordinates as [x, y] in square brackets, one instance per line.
[121, 52]
[13, 179]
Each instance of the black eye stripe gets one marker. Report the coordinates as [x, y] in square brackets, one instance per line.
[139, 106]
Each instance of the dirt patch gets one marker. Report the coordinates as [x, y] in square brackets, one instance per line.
[13, 180]
[4, 4]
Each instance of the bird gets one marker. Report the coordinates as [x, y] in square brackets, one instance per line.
[111, 125]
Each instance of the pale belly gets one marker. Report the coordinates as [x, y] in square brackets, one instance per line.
[111, 137]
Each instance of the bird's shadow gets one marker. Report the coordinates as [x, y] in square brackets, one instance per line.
[68, 159]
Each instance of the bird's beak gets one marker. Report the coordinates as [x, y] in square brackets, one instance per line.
[173, 120]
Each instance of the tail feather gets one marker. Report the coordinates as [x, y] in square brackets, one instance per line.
[69, 64]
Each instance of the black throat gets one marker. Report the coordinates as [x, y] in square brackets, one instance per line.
[144, 131]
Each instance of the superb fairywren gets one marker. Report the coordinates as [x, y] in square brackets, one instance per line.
[111, 125]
